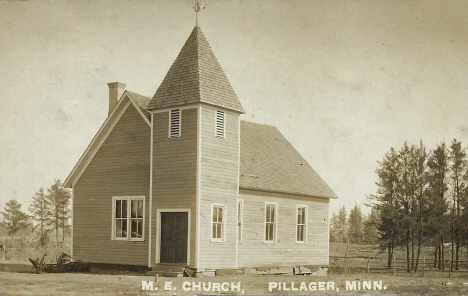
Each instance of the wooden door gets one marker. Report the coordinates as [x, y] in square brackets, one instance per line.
[174, 237]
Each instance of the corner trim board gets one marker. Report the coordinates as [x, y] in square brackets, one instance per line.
[150, 212]
[71, 230]
[198, 190]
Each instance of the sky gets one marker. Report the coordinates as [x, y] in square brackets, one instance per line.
[344, 81]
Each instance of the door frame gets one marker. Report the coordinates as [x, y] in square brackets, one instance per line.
[158, 231]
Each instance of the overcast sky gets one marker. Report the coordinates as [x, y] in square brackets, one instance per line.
[343, 80]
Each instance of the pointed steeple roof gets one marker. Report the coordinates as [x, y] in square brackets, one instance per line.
[194, 77]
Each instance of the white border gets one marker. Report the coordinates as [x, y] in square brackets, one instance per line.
[158, 231]
[275, 225]
[129, 198]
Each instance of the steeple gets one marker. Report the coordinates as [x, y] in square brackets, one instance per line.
[196, 77]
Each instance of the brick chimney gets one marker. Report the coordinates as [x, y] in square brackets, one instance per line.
[116, 90]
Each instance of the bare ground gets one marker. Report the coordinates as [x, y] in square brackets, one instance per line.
[98, 284]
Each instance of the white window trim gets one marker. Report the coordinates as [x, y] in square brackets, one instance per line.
[223, 238]
[169, 135]
[275, 223]
[129, 237]
[306, 222]
[216, 124]
[241, 228]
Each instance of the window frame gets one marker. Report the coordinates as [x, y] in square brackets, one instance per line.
[306, 220]
[275, 224]
[223, 223]
[170, 124]
[129, 199]
[240, 219]
[216, 125]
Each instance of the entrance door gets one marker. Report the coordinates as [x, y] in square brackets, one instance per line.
[174, 237]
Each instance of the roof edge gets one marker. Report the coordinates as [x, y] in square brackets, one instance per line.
[288, 192]
[137, 107]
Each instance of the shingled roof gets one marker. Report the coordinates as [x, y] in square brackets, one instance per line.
[194, 77]
[269, 162]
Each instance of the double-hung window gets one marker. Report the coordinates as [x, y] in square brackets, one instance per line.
[270, 222]
[218, 223]
[301, 224]
[128, 217]
[175, 118]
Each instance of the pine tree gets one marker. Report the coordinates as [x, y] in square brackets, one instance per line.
[405, 189]
[458, 170]
[421, 196]
[438, 224]
[355, 225]
[370, 227]
[13, 218]
[341, 224]
[333, 227]
[387, 202]
[40, 209]
[59, 211]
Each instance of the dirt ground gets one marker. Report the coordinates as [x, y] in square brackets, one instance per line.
[98, 284]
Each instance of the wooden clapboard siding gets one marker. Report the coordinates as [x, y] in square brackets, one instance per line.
[254, 252]
[174, 171]
[120, 167]
[219, 184]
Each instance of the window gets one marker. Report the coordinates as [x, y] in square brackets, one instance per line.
[301, 224]
[174, 125]
[219, 132]
[270, 222]
[128, 218]
[217, 223]
[240, 212]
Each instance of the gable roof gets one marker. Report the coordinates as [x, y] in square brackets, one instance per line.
[142, 103]
[127, 99]
[194, 77]
[269, 162]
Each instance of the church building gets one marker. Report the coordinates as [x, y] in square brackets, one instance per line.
[178, 179]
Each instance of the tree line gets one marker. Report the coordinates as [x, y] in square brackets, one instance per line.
[355, 227]
[422, 200]
[49, 210]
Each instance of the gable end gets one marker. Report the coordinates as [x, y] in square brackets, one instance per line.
[101, 137]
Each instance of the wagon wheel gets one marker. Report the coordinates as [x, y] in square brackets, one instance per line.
[63, 258]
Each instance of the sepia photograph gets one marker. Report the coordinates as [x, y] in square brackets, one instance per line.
[240, 147]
